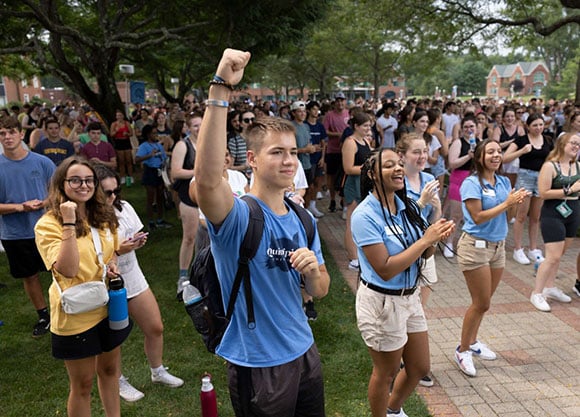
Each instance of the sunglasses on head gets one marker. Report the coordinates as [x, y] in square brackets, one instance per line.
[109, 193]
[248, 119]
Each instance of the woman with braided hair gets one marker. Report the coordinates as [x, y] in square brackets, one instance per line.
[392, 239]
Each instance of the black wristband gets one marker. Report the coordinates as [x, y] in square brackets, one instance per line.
[69, 224]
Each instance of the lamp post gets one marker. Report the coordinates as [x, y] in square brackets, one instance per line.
[127, 70]
[175, 83]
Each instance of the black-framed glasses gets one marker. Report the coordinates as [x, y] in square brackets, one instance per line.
[248, 119]
[109, 193]
[76, 182]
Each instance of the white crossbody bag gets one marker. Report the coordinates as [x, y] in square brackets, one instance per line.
[87, 296]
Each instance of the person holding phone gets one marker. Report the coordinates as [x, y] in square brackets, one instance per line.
[486, 196]
[143, 306]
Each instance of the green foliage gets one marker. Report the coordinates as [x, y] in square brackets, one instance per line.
[31, 373]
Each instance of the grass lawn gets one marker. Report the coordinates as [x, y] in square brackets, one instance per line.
[34, 384]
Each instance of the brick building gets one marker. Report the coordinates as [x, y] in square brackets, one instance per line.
[533, 75]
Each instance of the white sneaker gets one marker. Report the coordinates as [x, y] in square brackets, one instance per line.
[128, 392]
[556, 294]
[465, 362]
[536, 254]
[122, 180]
[540, 302]
[447, 252]
[401, 413]
[520, 257]
[354, 265]
[319, 196]
[512, 220]
[482, 351]
[165, 378]
[344, 213]
[315, 212]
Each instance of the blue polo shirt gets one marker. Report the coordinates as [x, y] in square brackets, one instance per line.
[425, 178]
[369, 228]
[492, 230]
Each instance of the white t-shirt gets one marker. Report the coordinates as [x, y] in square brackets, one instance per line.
[433, 146]
[129, 224]
[449, 120]
[238, 183]
[388, 125]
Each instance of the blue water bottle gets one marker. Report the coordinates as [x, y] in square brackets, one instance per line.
[472, 143]
[118, 307]
[537, 265]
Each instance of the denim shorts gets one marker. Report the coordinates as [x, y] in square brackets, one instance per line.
[528, 179]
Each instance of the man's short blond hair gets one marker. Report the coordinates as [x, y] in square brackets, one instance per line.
[262, 126]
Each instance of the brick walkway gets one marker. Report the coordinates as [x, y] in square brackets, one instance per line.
[537, 372]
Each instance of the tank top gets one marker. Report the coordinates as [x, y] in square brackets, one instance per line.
[505, 136]
[560, 181]
[362, 153]
[464, 151]
[120, 134]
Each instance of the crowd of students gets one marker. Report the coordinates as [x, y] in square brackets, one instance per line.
[398, 170]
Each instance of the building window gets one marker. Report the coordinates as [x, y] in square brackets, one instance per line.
[35, 82]
[26, 98]
[518, 76]
[539, 77]
[24, 83]
[494, 80]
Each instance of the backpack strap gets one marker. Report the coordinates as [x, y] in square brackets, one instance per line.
[248, 250]
[305, 219]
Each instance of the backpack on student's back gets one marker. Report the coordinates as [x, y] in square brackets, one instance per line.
[211, 319]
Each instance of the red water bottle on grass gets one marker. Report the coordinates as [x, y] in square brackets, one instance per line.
[208, 398]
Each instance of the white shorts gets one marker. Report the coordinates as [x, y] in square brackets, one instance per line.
[385, 320]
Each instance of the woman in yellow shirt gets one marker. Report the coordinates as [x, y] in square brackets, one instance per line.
[63, 236]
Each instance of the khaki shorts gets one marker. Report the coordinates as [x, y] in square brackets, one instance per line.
[469, 257]
[384, 320]
[429, 271]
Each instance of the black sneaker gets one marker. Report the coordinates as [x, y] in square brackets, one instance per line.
[310, 311]
[576, 288]
[41, 328]
[426, 381]
[332, 207]
[162, 224]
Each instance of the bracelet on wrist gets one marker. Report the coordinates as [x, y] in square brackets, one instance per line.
[217, 80]
[117, 253]
[217, 103]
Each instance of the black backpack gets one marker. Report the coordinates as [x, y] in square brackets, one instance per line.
[209, 316]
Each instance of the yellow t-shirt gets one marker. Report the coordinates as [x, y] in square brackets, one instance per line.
[48, 233]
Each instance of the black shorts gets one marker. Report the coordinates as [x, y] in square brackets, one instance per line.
[93, 342]
[23, 258]
[309, 177]
[292, 389]
[151, 177]
[556, 228]
[333, 163]
[122, 144]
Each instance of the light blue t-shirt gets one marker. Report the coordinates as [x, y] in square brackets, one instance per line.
[146, 148]
[282, 333]
[20, 181]
[492, 230]
[425, 178]
[369, 228]
[302, 140]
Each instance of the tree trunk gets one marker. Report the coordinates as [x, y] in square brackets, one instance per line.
[577, 99]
